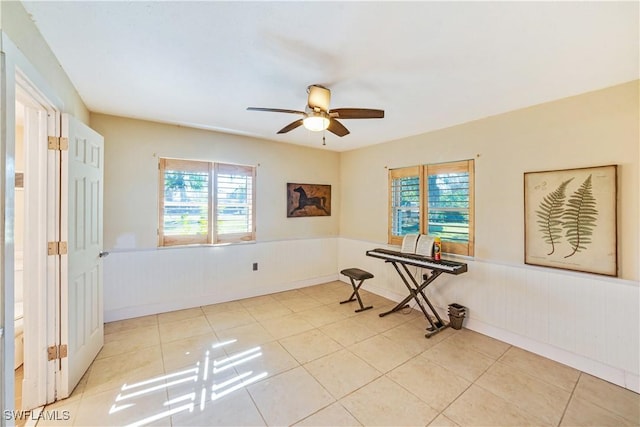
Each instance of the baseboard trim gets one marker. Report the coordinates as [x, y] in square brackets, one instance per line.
[608, 373]
[201, 300]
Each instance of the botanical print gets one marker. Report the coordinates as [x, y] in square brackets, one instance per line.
[570, 219]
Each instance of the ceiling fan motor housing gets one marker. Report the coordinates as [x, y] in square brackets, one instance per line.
[319, 97]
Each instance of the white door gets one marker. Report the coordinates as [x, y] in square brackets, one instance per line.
[81, 304]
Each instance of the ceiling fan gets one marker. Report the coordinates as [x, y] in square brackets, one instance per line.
[318, 117]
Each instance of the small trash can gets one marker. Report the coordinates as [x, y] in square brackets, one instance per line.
[457, 314]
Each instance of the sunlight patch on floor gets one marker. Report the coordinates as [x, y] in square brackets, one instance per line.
[205, 386]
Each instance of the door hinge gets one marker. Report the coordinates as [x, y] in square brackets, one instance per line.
[56, 248]
[57, 143]
[56, 352]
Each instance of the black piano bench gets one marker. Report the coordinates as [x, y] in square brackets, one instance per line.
[356, 274]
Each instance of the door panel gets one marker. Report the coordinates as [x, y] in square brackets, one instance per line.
[81, 310]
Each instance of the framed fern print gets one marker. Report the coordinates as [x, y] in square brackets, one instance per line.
[571, 219]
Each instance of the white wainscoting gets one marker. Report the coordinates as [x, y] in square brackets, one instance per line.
[585, 321]
[142, 282]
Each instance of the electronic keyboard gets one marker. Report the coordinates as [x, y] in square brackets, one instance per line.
[451, 267]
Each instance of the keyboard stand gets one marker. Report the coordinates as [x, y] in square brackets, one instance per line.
[415, 290]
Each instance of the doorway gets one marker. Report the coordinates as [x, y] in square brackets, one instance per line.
[35, 223]
[18, 275]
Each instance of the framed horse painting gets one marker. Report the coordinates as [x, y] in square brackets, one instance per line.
[308, 200]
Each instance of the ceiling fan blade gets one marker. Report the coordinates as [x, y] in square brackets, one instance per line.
[274, 110]
[358, 113]
[337, 128]
[291, 126]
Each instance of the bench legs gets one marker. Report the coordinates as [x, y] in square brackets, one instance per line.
[356, 295]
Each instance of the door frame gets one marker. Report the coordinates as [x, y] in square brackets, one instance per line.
[41, 272]
[18, 71]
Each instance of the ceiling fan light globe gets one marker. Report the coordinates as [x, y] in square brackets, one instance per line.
[316, 123]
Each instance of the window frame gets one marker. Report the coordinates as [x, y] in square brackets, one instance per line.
[408, 172]
[424, 171]
[212, 235]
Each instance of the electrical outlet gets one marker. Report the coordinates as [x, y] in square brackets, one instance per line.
[255, 266]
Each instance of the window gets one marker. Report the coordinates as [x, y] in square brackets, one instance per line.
[434, 199]
[205, 202]
[405, 197]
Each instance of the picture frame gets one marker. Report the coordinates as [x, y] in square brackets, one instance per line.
[571, 219]
[305, 200]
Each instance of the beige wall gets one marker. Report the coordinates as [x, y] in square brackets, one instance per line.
[597, 128]
[132, 149]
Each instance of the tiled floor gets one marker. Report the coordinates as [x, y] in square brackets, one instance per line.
[18, 377]
[300, 358]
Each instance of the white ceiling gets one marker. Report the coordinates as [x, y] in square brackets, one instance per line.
[429, 65]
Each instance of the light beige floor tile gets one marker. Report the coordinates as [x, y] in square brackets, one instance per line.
[542, 368]
[82, 384]
[520, 389]
[289, 397]
[117, 407]
[382, 324]
[227, 319]
[376, 300]
[244, 337]
[433, 384]
[18, 377]
[269, 358]
[187, 352]
[173, 316]
[526, 392]
[115, 371]
[233, 409]
[221, 307]
[442, 421]
[285, 326]
[583, 413]
[301, 303]
[463, 362]
[290, 294]
[180, 329]
[63, 411]
[195, 385]
[478, 407]
[332, 415]
[269, 310]
[410, 335]
[129, 340]
[324, 287]
[349, 309]
[258, 301]
[488, 346]
[322, 315]
[128, 324]
[381, 353]
[342, 372]
[332, 297]
[616, 399]
[310, 345]
[348, 331]
[394, 406]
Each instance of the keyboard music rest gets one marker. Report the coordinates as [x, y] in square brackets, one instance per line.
[437, 267]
